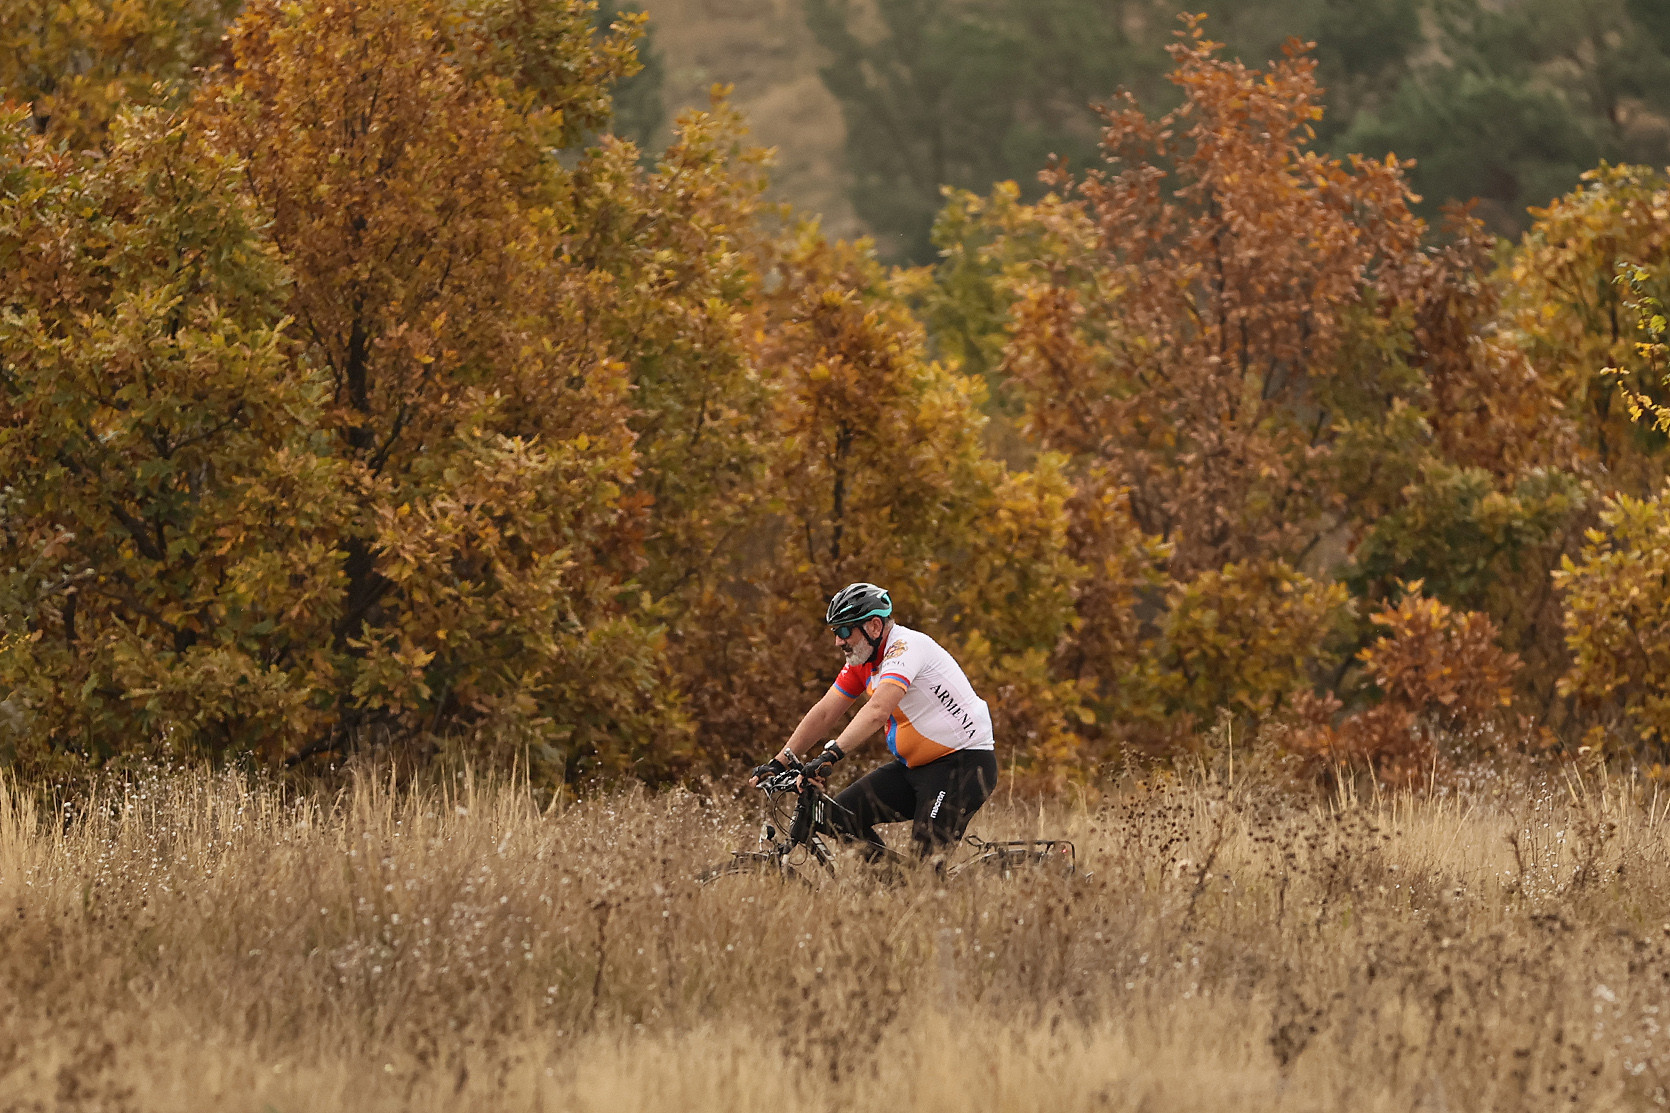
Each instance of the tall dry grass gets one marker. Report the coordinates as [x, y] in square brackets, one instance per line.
[194, 942]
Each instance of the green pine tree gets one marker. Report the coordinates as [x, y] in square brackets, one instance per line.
[966, 93]
[1517, 100]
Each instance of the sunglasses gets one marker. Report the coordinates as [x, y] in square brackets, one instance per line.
[843, 632]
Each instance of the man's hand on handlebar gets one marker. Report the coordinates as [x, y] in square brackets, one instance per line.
[766, 771]
[818, 768]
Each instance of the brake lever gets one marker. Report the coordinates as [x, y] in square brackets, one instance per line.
[782, 782]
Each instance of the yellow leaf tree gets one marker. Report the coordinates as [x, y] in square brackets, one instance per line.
[161, 515]
[406, 155]
[873, 468]
[75, 63]
[1575, 320]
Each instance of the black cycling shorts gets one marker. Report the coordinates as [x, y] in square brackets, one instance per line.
[937, 798]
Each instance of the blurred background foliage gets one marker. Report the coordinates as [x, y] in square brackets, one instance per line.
[1507, 103]
[394, 375]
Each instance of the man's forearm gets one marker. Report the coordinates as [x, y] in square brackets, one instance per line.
[819, 722]
[869, 719]
[815, 724]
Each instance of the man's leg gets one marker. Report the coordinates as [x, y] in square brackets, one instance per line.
[883, 795]
[948, 793]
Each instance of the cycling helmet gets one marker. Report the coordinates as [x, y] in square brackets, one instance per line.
[856, 604]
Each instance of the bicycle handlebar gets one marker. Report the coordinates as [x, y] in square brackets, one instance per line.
[786, 781]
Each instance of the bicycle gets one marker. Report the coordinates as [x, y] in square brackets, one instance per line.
[777, 854]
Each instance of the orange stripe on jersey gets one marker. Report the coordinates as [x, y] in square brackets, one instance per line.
[911, 745]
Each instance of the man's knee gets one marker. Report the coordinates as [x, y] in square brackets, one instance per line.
[846, 823]
[940, 827]
[945, 815]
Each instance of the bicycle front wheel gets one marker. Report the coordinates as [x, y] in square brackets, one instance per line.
[753, 864]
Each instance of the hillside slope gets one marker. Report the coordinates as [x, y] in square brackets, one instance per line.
[763, 49]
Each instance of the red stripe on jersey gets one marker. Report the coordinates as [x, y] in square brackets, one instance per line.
[853, 680]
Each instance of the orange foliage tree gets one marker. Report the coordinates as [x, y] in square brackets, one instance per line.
[1179, 325]
[1252, 345]
[1446, 686]
[1198, 349]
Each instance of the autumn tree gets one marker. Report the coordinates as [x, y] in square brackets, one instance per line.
[672, 255]
[76, 63]
[873, 468]
[1617, 607]
[1574, 319]
[403, 151]
[1199, 347]
[1570, 294]
[1445, 690]
[159, 523]
[1617, 615]
[1473, 481]
[1256, 347]
[1182, 338]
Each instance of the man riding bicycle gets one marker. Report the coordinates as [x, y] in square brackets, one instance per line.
[937, 727]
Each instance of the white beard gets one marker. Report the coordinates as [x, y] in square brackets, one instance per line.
[856, 656]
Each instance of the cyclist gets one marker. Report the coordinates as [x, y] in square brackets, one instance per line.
[936, 726]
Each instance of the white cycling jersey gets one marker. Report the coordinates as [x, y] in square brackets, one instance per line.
[939, 712]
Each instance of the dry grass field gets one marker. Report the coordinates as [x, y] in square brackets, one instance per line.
[192, 942]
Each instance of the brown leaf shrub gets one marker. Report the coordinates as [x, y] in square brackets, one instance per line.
[1446, 686]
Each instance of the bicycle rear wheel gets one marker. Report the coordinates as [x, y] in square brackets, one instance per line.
[1021, 858]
